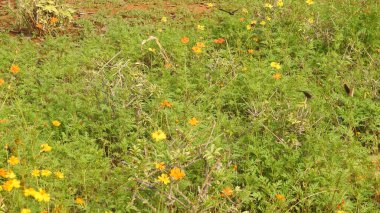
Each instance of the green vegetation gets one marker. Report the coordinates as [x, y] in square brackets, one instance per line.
[183, 107]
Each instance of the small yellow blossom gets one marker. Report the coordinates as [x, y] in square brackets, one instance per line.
[10, 175]
[164, 19]
[45, 147]
[275, 65]
[249, 26]
[160, 166]
[59, 175]
[280, 3]
[193, 121]
[244, 10]
[309, 2]
[210, 5]
[263, 23]
[153, 50]
[41, 196]
[3, 172]
[79, 201]
[36, 173]
[158, 135]
[10, 184]
[45, 173]
[177, 173]
[310, 20]
[250, 51]
[56, 123]
[25, 211]
[201, 27]
[267, 5]
[164, 178]
[197, 49]
[29, 192]
[13, 160]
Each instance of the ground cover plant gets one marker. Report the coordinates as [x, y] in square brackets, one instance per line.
[189, 106]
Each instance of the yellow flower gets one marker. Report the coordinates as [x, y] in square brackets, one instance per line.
[25, 211]
[36, 173]
[164, 19]
[249, 26]
[1, 81]
[56, 123]
[10, 175]
[193, 121]
[276, 76]
[177, 173]
[45, 173]
[309, 2]
[275, 65]
[158, 135]
[163, 178]
[280, 3]
[45, 147]
[15, 69]
[10, 184]
[268, 18]
[201, 27]
[160, 166]
[13, 160]
[29, 192]
[244, 10]
[280, 197]
[59, 175]
[79, 201]
[210, 5]
[200, 45]
[340, 211]
[263, 23]
[310, 20]
[41, 196]
[151, 50]
[197, 50]
[269, 6]
[250, 51]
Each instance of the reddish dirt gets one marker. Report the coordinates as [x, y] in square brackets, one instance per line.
[7, 20]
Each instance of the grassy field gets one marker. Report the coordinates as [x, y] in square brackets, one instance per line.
[190, 106]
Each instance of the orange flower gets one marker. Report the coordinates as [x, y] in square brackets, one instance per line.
[168, 66]
[185, 40]
[39, 26]
[166, 103]
[4, 121]
[378, 50]
[235, 167]
[79, 201]
[1, 81]
[15, 69]
[219, 41]
[177, 173]
[53, 20]
[280, 197]
[242, 19]
[3, 173]
[193, 121]
[227, 192]
[276, 76]
[250, 51]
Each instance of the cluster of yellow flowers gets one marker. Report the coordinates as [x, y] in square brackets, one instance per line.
[175, 173]
[40, 195]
